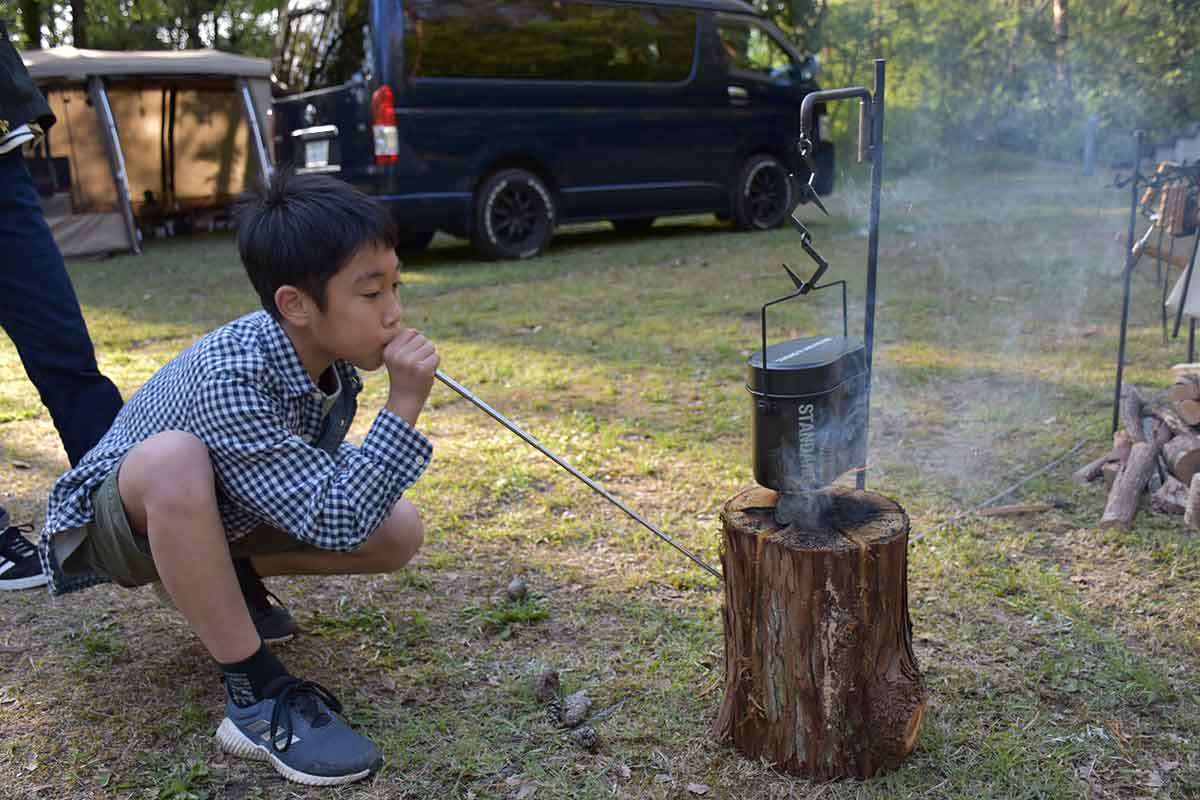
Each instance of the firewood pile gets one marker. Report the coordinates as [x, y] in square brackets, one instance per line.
[1156, 450]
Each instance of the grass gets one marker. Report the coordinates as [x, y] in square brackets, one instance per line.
[1060, 658]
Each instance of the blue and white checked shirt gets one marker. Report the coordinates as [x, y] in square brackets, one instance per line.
[242, 390]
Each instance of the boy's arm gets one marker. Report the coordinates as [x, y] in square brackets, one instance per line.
[333, 504]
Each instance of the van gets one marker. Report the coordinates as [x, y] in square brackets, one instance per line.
[497, 120]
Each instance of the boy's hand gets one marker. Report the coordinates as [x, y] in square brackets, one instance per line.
[411, 361]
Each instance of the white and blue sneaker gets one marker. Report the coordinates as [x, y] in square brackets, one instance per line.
[300, 732]
[20, 567]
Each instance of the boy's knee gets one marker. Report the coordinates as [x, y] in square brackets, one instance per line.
[403, 533]
[171, 470]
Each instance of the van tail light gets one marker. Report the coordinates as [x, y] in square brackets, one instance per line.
[383, 126]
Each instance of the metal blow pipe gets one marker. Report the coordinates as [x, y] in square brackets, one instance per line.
[595, 487]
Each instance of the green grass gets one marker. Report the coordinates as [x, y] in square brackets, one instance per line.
[1060, 659]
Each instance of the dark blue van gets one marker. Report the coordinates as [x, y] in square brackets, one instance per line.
[497, 120]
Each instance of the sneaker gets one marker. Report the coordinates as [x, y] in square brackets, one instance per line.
[300, 732]
[20, 567]
[273, 622]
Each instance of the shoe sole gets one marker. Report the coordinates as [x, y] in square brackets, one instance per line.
[234, 742]
[12, 584]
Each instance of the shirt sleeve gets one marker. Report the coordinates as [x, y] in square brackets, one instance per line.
[330, 503]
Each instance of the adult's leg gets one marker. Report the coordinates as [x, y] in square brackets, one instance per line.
[40, 313]
[169, 494]
[388, 549]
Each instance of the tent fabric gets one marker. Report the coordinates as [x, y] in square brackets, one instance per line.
[75, 65]
[1191, 307]
[182, 131]
[88, 234]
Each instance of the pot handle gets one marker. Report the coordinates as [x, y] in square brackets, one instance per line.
[803, 287]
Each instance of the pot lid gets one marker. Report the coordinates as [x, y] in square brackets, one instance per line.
[808, 366]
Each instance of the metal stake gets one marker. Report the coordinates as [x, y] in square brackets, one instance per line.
[595, 487]
[873, 244]
[1129, 263]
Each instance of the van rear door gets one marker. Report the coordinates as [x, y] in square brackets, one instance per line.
[321, 118]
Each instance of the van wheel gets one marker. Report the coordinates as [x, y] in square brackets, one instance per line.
[412, 241]
[513, 215]
[764, 194]
[627, 227]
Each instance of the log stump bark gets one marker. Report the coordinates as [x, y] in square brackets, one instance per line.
[820, 675]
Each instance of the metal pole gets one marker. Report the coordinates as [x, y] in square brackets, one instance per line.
[116, 160]
[873, 242]
[534, 443]
[257, 143]
[1129, 262]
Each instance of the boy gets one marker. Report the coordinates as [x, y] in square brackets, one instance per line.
[234, 449]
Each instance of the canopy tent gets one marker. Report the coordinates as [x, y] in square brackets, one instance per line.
[145, 138]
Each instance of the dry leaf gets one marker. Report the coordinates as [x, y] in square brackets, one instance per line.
[697, 788]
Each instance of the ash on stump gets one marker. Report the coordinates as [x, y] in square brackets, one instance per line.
[820, 676]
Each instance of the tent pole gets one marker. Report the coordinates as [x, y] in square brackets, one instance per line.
[116, 160]
[256, 136]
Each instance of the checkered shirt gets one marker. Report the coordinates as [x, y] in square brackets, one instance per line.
[242, 391]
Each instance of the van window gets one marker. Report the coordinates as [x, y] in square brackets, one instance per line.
[323, 43]
[749, 48]
[547, 40]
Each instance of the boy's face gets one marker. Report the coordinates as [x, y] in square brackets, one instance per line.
[362, 309]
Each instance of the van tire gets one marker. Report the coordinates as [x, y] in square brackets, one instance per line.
[763, 194]
[632, 227]
[412, 241]
[513, 215]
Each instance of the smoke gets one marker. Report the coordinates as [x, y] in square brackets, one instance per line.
[997, 311]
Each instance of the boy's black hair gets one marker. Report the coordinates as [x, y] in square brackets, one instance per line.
[299, 230]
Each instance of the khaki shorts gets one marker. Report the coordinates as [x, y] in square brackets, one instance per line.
[109, 547]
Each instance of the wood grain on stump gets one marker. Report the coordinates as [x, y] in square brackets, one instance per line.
[820, 676]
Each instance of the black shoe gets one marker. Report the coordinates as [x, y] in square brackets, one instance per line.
[272, 620]
[20, 567]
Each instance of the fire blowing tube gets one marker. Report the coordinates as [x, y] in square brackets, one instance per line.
[595, 487]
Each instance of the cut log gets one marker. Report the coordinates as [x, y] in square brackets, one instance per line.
[1171, 498]
[1015, 510]
[1173, 421]
[1093, 469]
[1189, 411]
[1130, 412]
[1110, 472]
[1128, 487]
[1191, 512]
[1183, 457]
[1186, 387]
[820, 676]
[1180, 370]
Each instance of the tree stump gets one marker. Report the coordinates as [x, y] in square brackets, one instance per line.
[820, 676]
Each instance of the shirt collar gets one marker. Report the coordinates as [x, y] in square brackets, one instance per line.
[282, 355]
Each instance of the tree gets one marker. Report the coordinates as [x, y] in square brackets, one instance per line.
[31, 23]
[79, 22]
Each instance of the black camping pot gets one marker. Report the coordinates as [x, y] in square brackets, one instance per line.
[810, 404]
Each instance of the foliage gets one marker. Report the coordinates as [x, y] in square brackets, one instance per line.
[966, 75]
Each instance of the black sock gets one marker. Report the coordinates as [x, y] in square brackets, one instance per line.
[246, 681]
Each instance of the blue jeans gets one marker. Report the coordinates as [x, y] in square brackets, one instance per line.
[40, 313]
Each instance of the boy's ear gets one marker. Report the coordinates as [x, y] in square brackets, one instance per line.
[294, 305]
